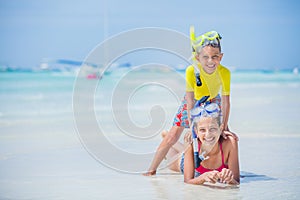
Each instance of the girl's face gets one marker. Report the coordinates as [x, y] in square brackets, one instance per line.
[210, 58]
[208, 131]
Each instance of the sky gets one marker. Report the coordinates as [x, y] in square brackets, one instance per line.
[256, 34]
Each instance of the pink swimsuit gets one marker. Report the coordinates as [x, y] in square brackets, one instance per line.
[202, 170]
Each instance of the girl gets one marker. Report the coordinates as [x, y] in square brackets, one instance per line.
[221, 163]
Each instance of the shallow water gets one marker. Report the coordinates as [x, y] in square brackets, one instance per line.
[42, 157]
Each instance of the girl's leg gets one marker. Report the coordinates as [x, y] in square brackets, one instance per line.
[174, 154]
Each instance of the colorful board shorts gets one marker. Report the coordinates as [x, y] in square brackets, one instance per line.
[181, 117]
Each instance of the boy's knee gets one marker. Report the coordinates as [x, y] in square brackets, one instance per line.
[171, 138]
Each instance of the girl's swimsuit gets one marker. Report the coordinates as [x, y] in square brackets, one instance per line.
[200, 170]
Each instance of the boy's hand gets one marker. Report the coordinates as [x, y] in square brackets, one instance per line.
[187, 139]
[225, 134]
[150, 173]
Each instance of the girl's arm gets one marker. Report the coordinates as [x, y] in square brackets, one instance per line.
[189, 164]
[233, 162]
[189, 170]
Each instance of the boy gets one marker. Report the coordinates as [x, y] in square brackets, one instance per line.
[204, 78]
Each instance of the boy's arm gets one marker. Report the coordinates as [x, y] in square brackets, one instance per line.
[190, 104]
[190, 81]
[225, 111]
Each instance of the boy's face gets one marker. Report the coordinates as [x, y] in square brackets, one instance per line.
[208, 131]
[209, 57]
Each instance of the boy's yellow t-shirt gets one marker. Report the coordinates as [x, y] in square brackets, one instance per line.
[211, 83]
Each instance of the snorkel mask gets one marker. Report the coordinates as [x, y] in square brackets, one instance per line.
[211, 38]
[205, 110]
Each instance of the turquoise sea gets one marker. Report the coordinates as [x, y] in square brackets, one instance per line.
[43, 154]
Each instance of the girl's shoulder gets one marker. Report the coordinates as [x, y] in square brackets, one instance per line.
[229, 144]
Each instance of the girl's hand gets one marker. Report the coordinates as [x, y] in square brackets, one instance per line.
[226, 176]
[211, 177]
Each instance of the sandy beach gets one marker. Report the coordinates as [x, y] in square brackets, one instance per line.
[42, 155]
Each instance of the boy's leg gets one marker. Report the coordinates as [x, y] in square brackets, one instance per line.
[169, 140]
[180, 122]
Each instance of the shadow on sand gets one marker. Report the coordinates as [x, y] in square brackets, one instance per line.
[247, 177]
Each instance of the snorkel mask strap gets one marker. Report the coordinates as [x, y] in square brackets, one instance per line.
[197, 159]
